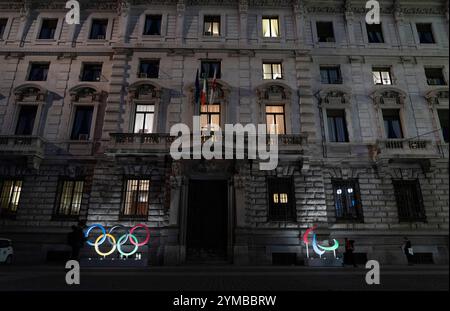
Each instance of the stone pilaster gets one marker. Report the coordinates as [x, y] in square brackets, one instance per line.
[181, 8]
[243, 15]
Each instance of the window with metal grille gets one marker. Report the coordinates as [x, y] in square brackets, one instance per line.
[392, 123]
[211, 25]
[144, 117]
[69, 196]
[91, 72]
[26, 119]
[48, 28]
[330, 75]
[270, 27]
[337, 126]
[272, 71]
[325, 31]
[9, 197]
[409, 200]
[382, 75]
[281, 199]
[375, 33]
[38, 71]
[136, 197]
[149, 69]
[434, 76]
[443, 120]
[3, 22]
[425, 32]
[98, 29]
[347, 200]
[275, 119]
[152, 26]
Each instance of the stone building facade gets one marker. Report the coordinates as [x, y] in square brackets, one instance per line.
[364, 121]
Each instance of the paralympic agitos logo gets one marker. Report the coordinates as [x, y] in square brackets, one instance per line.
[318, 249]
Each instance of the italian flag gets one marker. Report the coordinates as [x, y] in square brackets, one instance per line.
[203, 93]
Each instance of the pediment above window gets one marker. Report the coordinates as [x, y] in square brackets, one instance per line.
[86, 94]
[145, 91]
[389, 96]
[30, 93]
[273, 92]
[438, 97]
[334, 96]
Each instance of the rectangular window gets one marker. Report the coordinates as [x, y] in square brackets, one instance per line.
[70, 193]
[25, 122]
[209, 68]
[275, 120]
[272, 71]
[347, 200]
[375, 33]
[271, 27]
[325, 31]
[48, 28]
[443, 120]
[152, 25]
[337, 126]
[137, 192]
[38, 71]
[82, 123]
[392, 123]
[409, 200]
[149, 69]
[144, 117]
[382, 75]
[91, 72]
[425, 33]
[9, 197]
[3, 22]
[209, 114]
[211, 26]
[281, 199]
[98, 29]
[434, 76]
[330, 75]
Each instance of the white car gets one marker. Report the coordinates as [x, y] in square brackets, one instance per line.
[6, 251]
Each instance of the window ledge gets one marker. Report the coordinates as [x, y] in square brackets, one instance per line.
[65, 217]
[130, 217]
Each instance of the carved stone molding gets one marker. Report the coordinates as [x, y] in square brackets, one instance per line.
[389, 96]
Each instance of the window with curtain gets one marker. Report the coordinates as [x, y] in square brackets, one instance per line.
[347, 200]
[48, 28]
[136, 198]
[443, 120]
[375, 33]
[392, 123]
[272, 71]
[38, 71]
[425, 32]
[9, 197]
[91, 72]
[144, 118]
[3, 22]
[26, 119]
[149, 69]
[209, 114]
[281, 199]
[275, 119]
[325, 31]
[337, 126]
[270, 27]
[434, 76]
[211, 25]
[409, 200]
[82, 123]
[208, 68]
[98, 29]
[152, 26]
[69, 196]
[381, 75]
[330, 75]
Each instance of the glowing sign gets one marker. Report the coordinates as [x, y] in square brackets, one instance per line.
[318, 249]
[120, 242]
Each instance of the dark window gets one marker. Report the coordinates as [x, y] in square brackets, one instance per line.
[70, 193]
[91, 72]
[211, 26]
[337, 127]
[209, 68]
[5, 244]
[425, 33]
[331, 75]
[38, 72]
[3, 22]
[144, 118]
[25, 122]
[82, 123]
[325, 31]
[374, 33]
[409, 200]
[136, 195]
[149, 69]
[152, 25]
[392, 123]
[347, 200]
[434, 76]
[382, 75]
[281, 200]
[48, 29]
[272, 71]
[443, 120]
[270, 27]
[98, 29]
[9, 197]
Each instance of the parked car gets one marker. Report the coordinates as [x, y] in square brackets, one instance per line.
[6, 251]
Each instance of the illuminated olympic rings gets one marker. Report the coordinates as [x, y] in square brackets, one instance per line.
[120, 242]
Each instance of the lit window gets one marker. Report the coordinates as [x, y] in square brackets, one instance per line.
[275, 120]
[275, 198]
[211, 26]
[48, 29]
[337, 126]
[82, 123]
[374, 33]
[272, 71]
[152, 25]
[38, 72]
[98, 29]
[136, 197]
[382, 76]
[209, 115]
[347, 200]
[25, 122]
[283, 198]
[144, 118]
[9, 198]
[392, 123]
[425, 33]
[325, 31]
[70, 193]
[270, 27]
[282, 207]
